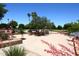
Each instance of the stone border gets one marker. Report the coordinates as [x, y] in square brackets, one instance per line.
[10, 43]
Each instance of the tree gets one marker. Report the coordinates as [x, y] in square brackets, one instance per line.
[59, 27]
[66, 26]
[3, 25]
[29, 16]
[22, 32]
[41, 23]
[27, 26]
[13, 24]
[2, 11]
[34, 15]
[53, 26]
[46, 24]
[74, 27]
[38, 22]
[8, 20]
[21, 26]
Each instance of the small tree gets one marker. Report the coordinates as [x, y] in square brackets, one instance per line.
[59, 27]
[13, 24]
[22, 32]
[21, 26]
[53, 26]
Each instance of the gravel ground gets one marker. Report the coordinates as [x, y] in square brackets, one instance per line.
[35, 47]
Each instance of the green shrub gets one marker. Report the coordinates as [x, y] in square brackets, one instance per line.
[4, 36]
[46, 31]
[22, 32]
[15, 51]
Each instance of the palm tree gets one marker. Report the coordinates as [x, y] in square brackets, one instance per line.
[34, 18]
[34, 14]
[29, 16]
[8, 20]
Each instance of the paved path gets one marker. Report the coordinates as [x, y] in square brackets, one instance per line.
[34, 43]
[36, 47]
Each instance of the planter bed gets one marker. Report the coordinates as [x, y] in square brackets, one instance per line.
[9, 43]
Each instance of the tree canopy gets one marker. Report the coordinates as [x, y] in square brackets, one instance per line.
[21, 26]
[67, 25]
[3, 25]
[38, 22]
[13, 24]
[72, 27]
[2, 10]
[59, 27]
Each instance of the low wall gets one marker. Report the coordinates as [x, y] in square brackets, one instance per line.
[9, 43]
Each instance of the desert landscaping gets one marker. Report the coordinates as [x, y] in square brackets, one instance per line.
[35, 46]
[25, 32]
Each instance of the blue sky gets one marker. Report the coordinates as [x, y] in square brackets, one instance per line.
[58, 13]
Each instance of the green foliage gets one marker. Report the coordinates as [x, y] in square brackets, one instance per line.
[29, 16]
[4, 36]
[21, 26]
[2, 10]
[59, 27]
[15, 51]
[13, 24]
[69, 29]
[66, 26]
[73, 27]
[3, 25]
[53, 26]
[21, 31]
[38, 22]
[34, 15]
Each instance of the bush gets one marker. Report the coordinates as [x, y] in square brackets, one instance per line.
[21, 31]
[4, 36]
[46, 31]
[15, 51]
